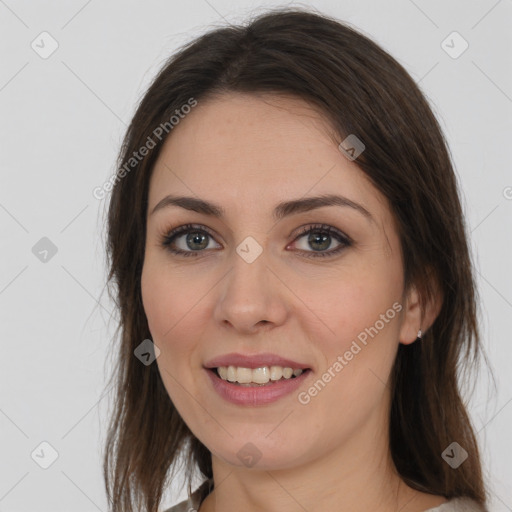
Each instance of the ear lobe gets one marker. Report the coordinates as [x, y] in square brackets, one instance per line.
[417, 316]
[411, 320]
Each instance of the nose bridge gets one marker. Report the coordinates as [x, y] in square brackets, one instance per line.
[250, 292]
[250, 265]
[249, 275]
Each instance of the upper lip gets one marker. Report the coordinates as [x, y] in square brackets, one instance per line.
[253, 361]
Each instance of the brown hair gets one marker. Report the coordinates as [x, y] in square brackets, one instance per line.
[361, 90]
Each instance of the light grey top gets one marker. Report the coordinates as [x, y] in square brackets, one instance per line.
[195, 499]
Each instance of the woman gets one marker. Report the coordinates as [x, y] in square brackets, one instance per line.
[294, 282]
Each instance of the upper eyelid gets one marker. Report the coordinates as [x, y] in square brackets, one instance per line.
[185, 228]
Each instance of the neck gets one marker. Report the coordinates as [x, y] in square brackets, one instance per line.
[356, 477]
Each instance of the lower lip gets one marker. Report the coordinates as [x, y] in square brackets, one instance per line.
[255, 395]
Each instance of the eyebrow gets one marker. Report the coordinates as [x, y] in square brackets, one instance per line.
[282, 210]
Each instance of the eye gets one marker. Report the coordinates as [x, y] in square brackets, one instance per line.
[197, 239]
[320, 237]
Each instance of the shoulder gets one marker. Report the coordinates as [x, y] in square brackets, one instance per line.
[458, 505]
[454, 505]
[182, 506]
[191, 504]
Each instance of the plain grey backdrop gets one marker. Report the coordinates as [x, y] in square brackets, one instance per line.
[71, 75]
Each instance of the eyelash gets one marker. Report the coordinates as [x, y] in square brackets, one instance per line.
[168, 238]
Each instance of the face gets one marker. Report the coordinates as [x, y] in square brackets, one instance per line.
[322, 286]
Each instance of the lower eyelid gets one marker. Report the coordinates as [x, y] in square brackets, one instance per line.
[170, 239]
[342, 245]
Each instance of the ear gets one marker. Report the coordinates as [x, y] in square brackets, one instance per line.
[415, 317]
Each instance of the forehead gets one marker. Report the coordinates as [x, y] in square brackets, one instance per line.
[243, 148]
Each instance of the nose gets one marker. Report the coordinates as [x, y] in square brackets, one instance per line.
[252, 297]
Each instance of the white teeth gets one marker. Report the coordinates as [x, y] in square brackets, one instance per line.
[260, 375]
[287, 372]
[231, 374]
[276, 372]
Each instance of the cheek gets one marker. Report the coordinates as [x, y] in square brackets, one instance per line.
[168, 299]
[351, 384]
[355, 326]
[172, 319]
[342, 304]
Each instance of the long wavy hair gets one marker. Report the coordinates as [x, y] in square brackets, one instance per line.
[361, 90]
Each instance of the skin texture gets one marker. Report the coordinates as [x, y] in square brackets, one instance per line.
[247, 153]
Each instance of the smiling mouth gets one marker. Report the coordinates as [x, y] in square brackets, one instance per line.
[279, 375]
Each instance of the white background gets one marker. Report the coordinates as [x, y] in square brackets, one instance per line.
[62, 119]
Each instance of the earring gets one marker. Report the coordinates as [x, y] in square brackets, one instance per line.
[419, 334]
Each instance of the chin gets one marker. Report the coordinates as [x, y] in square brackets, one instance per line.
[260, 454]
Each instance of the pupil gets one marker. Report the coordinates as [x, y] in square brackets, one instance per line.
[196, 238]
[314, 239]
